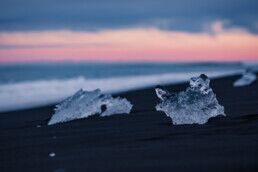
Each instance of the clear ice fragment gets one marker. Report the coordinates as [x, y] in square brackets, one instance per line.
[162, 93]
[194, 106]
[86, 103]
[52, 154]
[247, 78]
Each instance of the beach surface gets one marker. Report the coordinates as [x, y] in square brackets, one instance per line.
[144, 140]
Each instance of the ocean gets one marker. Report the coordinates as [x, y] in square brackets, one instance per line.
[37, 84]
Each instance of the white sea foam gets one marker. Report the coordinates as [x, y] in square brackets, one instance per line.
[39, 93]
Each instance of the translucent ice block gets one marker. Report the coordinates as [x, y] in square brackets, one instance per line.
[194, 106]
[86, 103]
[247, 78]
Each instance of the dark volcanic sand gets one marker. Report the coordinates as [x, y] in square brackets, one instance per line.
[144, 140]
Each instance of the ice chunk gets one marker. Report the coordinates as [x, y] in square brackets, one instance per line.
[194, 106]
[86, 103]
[247, 78]
[162, 93]
[52, 154]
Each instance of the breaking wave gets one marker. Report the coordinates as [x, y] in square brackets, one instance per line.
[30, 94]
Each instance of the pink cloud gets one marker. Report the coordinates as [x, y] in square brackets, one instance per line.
[129, 45]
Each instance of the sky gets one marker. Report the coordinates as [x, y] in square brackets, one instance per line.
[131, 30]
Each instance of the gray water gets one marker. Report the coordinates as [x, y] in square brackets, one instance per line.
[13, 73]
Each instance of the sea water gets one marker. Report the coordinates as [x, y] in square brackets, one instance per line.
[37, 84]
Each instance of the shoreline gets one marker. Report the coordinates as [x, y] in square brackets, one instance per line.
[144, 140]
[45, 90]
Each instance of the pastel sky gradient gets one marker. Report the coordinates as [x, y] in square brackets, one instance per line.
[122, 31]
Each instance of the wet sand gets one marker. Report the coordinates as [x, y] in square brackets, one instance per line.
[144, 140]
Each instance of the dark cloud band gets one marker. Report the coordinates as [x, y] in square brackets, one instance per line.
[91, 15]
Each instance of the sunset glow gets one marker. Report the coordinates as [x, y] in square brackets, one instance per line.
[137, 44]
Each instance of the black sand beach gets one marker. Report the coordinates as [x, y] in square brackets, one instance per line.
[144, 140]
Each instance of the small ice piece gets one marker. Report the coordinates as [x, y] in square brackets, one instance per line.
[86, 103]
[194, 106]
[247, 78]
[52, 154]
[162, 93]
